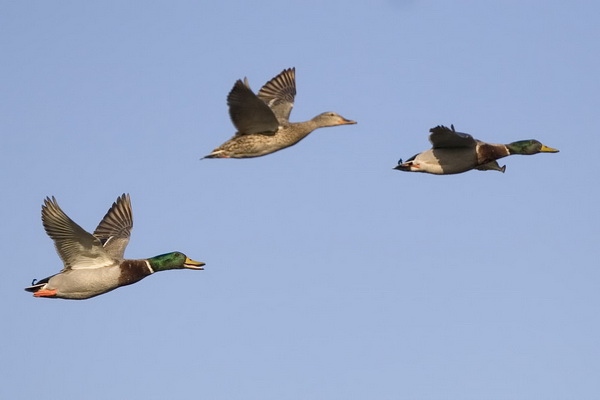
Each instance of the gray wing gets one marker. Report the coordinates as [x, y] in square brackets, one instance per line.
[279, 94]
[248, 113]
[115, 228]
[77, 248]
[442, 137]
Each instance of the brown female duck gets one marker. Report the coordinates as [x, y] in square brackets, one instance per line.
[262, 120]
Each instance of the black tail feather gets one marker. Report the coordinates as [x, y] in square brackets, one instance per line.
[37, 286]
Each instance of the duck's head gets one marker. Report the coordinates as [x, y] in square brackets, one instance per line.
[528, 147]
[331, 119]
[174, 260]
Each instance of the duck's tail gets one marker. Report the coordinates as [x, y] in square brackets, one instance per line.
[35, 286]
[215, 154]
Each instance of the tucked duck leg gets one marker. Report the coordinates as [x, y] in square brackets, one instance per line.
[45, 293]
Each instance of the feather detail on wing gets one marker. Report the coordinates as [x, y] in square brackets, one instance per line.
[279, 94]
[77, 248]
[442, 137]
[115, 228]
[249, 114]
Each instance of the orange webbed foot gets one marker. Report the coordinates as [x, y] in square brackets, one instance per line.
[45, 293]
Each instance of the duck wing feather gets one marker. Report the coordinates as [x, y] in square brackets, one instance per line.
[279, 94]
[249, 114]
[115, 228]
[442, 137]
[77, 248]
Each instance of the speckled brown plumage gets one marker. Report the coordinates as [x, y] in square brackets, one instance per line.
[262, 120]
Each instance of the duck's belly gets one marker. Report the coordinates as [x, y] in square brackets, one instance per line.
[452, 161]
[248, 146]
[260, 148]
[84, 283]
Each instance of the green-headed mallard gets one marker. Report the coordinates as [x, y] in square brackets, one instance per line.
[262, 121]
[94, 264]
[454, 152]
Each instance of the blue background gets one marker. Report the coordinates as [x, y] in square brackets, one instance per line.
[329, 275]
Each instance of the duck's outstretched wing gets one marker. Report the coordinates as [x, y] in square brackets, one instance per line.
[279, 94]
[249, 114]
[77, 248]
[442, 137]
[115, 228]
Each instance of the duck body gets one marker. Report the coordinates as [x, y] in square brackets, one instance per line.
[86, 283]
[262, 120]
[455, 161]
[257, 145]
[94, 264]
[287, 134]
[454, 152]
[250, 146]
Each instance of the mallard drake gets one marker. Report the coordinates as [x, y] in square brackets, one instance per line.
[262, 121]
[454, 152]
[94, 264]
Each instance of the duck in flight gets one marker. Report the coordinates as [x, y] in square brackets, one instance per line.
[455, 152]
[94, 263]
[262, 121]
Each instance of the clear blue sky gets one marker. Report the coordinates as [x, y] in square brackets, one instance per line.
[329, 275]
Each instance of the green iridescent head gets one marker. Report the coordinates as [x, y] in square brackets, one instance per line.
[174, 260]
[528, 147]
